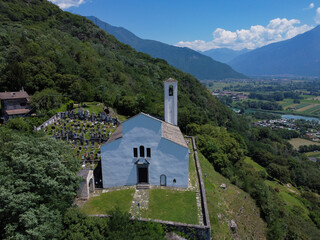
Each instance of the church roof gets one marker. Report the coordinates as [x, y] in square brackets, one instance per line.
[170, 80]
[169, 132]
[116, 134]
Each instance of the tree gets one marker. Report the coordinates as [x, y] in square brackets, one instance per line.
[77, 225]
[36, 188]
[46, 100]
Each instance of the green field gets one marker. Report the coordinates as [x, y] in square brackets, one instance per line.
[297, 142]
[308, 105]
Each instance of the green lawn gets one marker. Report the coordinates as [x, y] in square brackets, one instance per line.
[192, 167]
[95, 107]
[108, 201]
[171, 205]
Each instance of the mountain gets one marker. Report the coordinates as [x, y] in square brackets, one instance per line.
[298, 56]
[185, 59]
[43, 47]
[224, 55]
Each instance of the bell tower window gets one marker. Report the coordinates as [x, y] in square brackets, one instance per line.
[170, 90]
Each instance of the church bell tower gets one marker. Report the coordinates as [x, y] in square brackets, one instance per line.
[171, 101]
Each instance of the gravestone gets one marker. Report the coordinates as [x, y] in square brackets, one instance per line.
[86, 114]
[80, 114]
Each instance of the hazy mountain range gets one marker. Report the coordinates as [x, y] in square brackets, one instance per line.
[298, 56]
[187, 60]
[224, 55]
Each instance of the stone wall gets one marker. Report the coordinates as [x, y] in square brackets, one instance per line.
[192, 231]
[50, 121]
[206, 219]
[87, 185]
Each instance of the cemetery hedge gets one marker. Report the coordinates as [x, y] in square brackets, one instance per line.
[44, 48]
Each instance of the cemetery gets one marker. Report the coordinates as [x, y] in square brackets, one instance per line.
[85, 131]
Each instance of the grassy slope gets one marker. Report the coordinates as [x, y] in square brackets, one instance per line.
[232, 203]
[289, 194]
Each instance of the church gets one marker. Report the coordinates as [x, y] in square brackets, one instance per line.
[145, 150]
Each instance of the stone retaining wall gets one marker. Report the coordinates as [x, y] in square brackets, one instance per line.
[192, 231]
[202, 186]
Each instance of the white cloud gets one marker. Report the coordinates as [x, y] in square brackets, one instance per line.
[257, 36]
[311, 5]
[317, 17]
[64, 4]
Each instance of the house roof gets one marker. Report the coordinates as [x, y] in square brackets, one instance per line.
[14, 95]
[17, 111]
[170, 80]
[169, 131]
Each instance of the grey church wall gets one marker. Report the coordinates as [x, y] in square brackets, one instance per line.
[172, 161]
[118, 162]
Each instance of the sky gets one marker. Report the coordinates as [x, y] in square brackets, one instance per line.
[204, 24]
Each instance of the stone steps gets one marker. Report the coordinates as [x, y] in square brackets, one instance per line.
[143, 186]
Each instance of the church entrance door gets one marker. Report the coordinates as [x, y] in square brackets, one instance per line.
[143, 174]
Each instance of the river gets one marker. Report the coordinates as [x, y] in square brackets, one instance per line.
[296, 117]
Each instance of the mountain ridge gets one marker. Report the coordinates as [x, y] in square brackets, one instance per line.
[224, 55]
[185, 59]
[298, 56]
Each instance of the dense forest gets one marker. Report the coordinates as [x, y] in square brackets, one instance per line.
[43, 47]
[50, 52]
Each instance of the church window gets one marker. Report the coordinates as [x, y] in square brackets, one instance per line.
[135, 152]
[170, 90]
[141, 151]
[149, 152]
